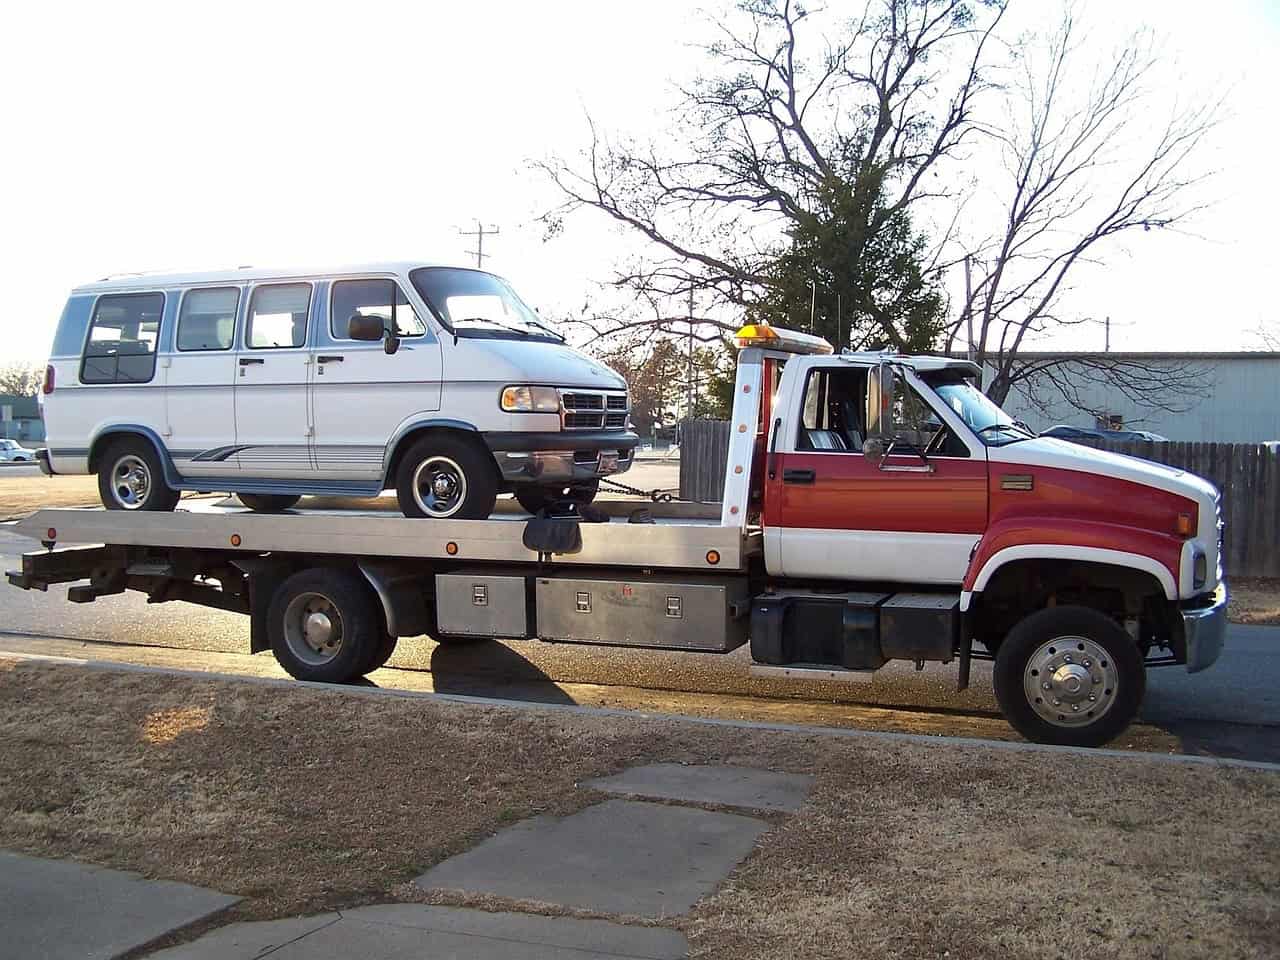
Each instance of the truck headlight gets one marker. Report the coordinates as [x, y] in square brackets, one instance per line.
[1199, 568]
[529, 399]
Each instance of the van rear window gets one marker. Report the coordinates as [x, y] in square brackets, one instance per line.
[122, 339]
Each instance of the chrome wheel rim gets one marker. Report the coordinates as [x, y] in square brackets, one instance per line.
[313, 629]
[439, 486]
[1071, 681]
[131, 481]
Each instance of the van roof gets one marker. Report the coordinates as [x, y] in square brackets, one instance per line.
[138, 281]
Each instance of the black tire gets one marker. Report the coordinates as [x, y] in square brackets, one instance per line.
[268, 502]
[534, 498]
[345, 600]
[382, 653]
[1054, 661]
[468, 465]
[131, 477]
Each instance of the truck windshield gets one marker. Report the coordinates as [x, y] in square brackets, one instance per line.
[471, 303]
[995, 427]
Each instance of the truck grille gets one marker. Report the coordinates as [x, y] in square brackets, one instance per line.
[590, 410]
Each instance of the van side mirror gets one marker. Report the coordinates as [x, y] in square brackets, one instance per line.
[361, 326]
[879, 418]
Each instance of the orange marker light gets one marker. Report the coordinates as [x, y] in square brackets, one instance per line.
[235, 539]
[713, 557]
[451, 548]
[1184, 524]
[51, 534]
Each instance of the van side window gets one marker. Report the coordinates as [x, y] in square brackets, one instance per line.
[207, 320]
[374, 298]
[122, 339]
[278, 316]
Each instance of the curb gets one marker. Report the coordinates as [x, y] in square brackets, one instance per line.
[1014, 746]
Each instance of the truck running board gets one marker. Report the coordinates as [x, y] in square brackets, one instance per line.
[811, 671]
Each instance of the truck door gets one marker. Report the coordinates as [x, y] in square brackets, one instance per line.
[360, 394]
[831, 511]
[273, 430]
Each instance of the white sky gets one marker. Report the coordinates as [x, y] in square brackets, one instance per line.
[153, 136]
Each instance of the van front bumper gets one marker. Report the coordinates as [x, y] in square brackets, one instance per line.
[1204, 628]
[561, 457]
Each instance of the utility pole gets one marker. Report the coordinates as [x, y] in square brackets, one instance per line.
[839, 321]
[480, 232]
[813, 301]
[1106, 348]
[689, 401]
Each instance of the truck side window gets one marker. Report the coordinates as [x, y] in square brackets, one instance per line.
[919, 425]
[831, 418]
[122, 339]
[278, 316]
[375, 298]
[207, 320]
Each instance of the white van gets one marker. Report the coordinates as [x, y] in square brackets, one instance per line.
[435, 381]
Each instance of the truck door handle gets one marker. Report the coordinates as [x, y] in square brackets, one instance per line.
[329, 359]
[798, 476]
[246, 361]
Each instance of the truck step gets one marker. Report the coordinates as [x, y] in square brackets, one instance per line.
[811, 671]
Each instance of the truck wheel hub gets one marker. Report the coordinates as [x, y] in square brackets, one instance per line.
[1070, 681]
[313, 628]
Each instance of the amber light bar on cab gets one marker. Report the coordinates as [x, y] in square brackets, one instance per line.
[780, 338]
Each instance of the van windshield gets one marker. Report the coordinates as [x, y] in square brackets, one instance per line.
[471, 303]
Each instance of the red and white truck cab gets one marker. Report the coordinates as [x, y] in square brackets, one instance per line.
[876, 507]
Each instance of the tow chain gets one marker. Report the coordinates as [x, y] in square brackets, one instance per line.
[657, 495]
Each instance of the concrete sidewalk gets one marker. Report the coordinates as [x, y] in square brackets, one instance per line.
[631, 863]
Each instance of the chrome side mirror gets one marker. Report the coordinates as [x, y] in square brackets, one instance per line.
[879, 413]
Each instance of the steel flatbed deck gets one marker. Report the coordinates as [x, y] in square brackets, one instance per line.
[679, 542]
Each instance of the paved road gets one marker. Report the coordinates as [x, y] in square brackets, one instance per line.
[19, 470]
[1232, 709]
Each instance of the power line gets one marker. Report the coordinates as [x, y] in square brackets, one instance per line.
[480, 232]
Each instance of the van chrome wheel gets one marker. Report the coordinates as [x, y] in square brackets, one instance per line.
[131, 481]
[313, 628]
[1070, 681]
[439, 486]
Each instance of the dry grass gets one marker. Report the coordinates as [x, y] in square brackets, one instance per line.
[22, 496]
[303, 799]
[1254, 600]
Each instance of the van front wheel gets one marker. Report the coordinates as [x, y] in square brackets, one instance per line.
[131, 477]
[446, 477]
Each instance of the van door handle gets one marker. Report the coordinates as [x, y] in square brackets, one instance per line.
[328, 359]
[798, 476]
[246, 361]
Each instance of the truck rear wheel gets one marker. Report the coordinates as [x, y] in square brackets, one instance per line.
[1069, 675]
[267, 502]
[131, 477]
[446, 477]
[324, 625]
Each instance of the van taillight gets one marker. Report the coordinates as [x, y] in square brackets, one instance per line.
[48, 379]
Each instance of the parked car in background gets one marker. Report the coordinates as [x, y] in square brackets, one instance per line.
[1064, 432]
[436, 382]
[13, 452]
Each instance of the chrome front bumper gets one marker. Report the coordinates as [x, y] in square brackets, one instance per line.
[1205, 630]
[556, 466]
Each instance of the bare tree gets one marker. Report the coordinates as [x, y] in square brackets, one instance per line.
[1076, 181]
[21, 379]
[784, 116]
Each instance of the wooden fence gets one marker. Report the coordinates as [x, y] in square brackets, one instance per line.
[1247, 474]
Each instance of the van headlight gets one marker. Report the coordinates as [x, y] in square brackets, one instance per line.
[530, 399]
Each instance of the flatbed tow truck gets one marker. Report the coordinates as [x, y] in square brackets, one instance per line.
[876, 507]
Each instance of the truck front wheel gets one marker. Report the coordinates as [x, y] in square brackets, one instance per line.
[324, 625]
[1069, 675]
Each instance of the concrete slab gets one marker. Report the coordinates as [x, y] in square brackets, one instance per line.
[248, 940]
[55, 909]
[620, 856]
[730, 786]
[401, 931]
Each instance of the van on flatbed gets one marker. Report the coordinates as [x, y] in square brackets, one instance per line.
[876, 507]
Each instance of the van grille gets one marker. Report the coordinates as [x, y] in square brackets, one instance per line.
[590, 410]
